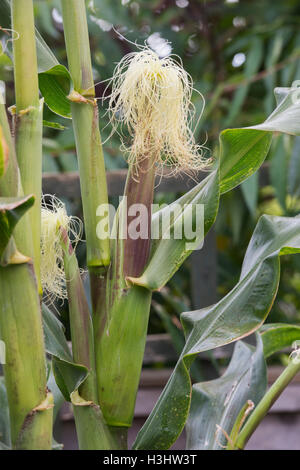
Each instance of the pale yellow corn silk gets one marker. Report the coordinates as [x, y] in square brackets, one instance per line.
[152, 98]
[54, 216]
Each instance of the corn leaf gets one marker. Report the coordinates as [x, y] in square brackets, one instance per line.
[68, 375]
[168, 253]
[218, 402]
[11, 210]
[241, 312]
[279, 336]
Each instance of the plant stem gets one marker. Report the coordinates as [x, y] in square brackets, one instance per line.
[121, 319]
[86, 129]
[25, 369]
[28, 118]
[25, 59]
[30, 405]
[266, 402]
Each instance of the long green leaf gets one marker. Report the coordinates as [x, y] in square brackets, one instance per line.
[218, 402]
[238, 314]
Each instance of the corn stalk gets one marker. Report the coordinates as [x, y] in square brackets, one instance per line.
[28, 115]
[30, 404]
[86, 128]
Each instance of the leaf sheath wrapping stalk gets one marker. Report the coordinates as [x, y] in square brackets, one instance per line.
[28, 126]
[93, 434]
[120, 345]
[121, 319]
[21, 330]
[25, 57]
[80, 320]
[10, 187]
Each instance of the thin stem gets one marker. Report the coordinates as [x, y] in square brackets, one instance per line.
[267, 401]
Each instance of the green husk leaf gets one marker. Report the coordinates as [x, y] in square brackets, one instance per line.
[120, 344]
[36, 422]
[167, 254]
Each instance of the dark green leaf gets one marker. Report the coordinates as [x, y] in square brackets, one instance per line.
[238, 314]
[55, 85]
[218, 402]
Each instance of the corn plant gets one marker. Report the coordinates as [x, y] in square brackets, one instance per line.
[150, 98]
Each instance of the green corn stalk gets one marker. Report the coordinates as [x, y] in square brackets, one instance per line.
[30, 404]
[28, 119]
[86, 128]
[91, 429]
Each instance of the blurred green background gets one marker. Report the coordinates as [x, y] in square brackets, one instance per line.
[237, 52]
